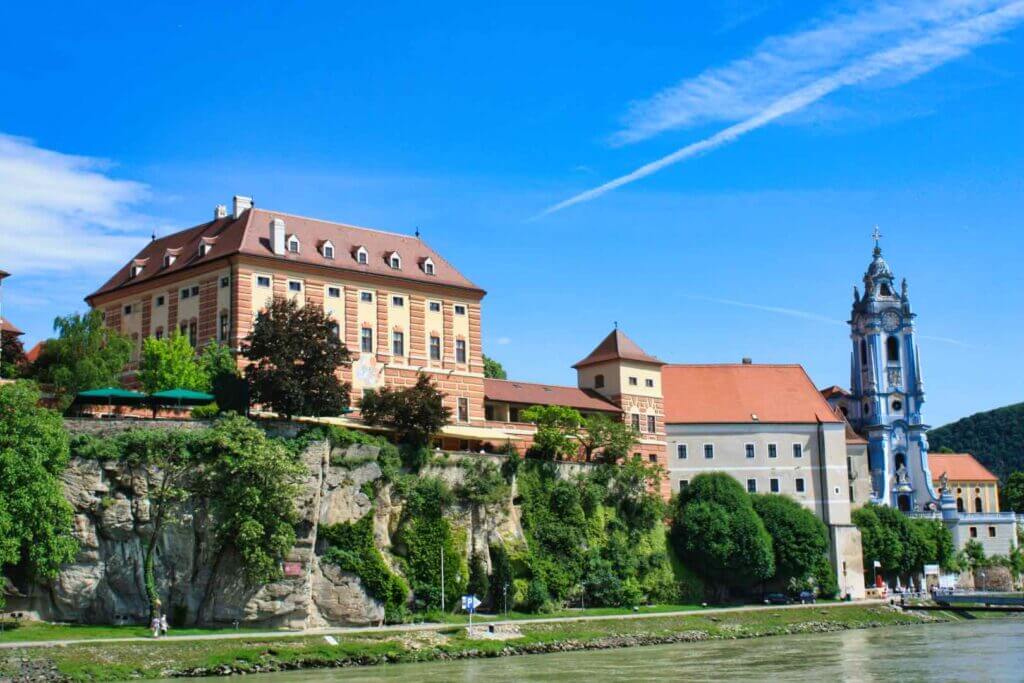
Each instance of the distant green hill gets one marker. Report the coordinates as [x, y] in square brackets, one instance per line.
[995, 437]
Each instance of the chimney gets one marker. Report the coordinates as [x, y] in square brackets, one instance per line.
[277, 235]
[242, 204]
[220, 211]
[748, 361]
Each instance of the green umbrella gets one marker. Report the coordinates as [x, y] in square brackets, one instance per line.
[110, 396]
[181, 397]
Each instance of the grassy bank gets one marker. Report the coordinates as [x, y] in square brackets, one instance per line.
[122, 661]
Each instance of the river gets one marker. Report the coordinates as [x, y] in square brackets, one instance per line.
[982, 650]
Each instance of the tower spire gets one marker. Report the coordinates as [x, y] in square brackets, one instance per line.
[876, 235]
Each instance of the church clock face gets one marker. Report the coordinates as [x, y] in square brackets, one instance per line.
[890, 321]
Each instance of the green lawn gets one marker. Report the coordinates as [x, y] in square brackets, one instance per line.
[15, 632]
[148, 659]
[462, 618]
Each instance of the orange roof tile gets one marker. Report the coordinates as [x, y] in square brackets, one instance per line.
[617, 346]
[8, 327]
[834, 390]
[736, 393]
[958, 467]
[529, 393]
[250, 234]
[33, 354]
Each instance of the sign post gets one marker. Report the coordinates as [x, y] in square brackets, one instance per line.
[469, 604]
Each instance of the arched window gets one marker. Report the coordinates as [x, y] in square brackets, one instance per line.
[901, 460]
[863, 352]
[977, 504]
[959, 504]
[892, 349]
[884, 290]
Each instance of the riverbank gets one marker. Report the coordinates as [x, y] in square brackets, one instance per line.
[254, 654]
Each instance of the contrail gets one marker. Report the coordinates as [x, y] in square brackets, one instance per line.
[917, 56]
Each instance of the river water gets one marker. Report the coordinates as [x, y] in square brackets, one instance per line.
[982, 650]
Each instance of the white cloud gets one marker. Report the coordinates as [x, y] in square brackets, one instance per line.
[796, 71]
[504, 341]
[60, 212]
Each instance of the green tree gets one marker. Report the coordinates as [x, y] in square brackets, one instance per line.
[12, 355]
[229, 389]
[295, 352]
[799, 538]
[424, 536]
[994, 437]
[879, 542]
[415, 413]
[85, 355]
[171, 363]
[716, 531]
[1013, 492]
[493, 369]
[609, 438]
[479, 583]
[557, 430]
[35, 519]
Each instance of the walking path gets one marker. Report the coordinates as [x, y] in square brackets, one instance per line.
[401, 628]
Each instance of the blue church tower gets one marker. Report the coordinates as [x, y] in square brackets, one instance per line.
[887, 390]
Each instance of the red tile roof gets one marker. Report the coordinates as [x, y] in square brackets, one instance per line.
[528, 393]
[250, 235]
[8, 327]
[834, 390]
[959, 467]
[736, 393]
[33, 354]
[617, 346]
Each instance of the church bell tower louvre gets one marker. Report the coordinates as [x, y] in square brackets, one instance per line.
[887, 390]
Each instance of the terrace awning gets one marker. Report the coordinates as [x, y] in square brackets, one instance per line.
[181, 397]
[111, 396]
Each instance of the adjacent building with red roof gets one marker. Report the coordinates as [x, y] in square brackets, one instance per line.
[974, 487]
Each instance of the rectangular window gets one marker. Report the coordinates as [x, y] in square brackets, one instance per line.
[128, 309]
[681, 451]
[632, 381]
[651, 457]
[974, 532]
[193, 333]
[773, 450]
[366, 340]
[636, 421]
[463, 410]
[334, 292]
[435, 306]
[749, 450]
[435, 348]
[294, 286]
[683, 483]
[185, 293]
[709, 451]
[798, 450]
[652, 424]
[648, 382]
[328, 251]
[225, 281]
[398, 301]
[991, 532]
[366, 296]
[799, 485]
[160, 301]
[751, 485]
[262, 281]
[397, 344]
[460, 309]
[223, 328]
[460, 350]
[183, 329]
[195, 290]
[774, 484]
[159, 334]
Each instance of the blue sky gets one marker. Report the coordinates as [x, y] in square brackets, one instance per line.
[475, 123]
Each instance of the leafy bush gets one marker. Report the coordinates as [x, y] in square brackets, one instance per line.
[483, 484]
[207, 411]
[351, 547]
[415, 413]
[479, 583]
[799, 538]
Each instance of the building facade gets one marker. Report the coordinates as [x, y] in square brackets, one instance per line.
[398, 305]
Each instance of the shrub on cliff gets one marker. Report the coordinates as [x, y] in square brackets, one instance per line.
[351, 547]
[295, 351]
[716, 532]
[35, 519]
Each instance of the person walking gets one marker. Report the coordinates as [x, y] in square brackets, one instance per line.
[164, 626]
[155, 626]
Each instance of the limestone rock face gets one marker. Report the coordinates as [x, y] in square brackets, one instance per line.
[199, 583]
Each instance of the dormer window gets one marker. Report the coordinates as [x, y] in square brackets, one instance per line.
[169, 260]
[362, 256]
[293, 244]
[136, 270]
[428, 266]
[395, 261]
[204, 248]
[327, 250]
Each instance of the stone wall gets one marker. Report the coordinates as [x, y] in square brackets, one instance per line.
[200, 585]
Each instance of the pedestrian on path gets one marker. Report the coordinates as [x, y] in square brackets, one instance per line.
[155, 626]
[164, 626]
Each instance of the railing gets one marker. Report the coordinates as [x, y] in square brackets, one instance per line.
[980, 517]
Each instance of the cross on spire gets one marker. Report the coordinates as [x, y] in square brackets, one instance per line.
[876, 235]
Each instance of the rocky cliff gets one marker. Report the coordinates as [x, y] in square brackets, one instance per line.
[197, 583]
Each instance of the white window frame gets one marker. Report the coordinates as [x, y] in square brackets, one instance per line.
[428, 266]
[397, 301]
[327, 250]
[430, 347]
[460, 345]
[750, 448]
[335, 288]
[682, 452]
[649, 383]
[434, 306]
[774, 485]
[751, 489]
[365, 296]
[268, 278]
[799, 485]
[394, 257]
[798, 450]
[225, 281]
[362, 256]
[184, 293]
[633, 381]
[460, 402]
[296, 290]
[459, 309]
[704, 450]
[652, 424]
[773, 451]
[398, 338]
[363, 338]
[292, 239]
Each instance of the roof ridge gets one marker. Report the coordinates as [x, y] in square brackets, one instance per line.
[737, 365]
[343, 225]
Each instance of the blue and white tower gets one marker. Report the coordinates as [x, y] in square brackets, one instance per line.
[887, 391]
